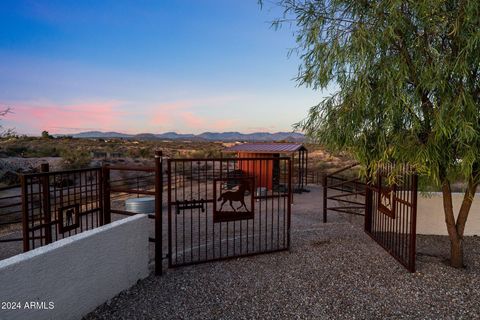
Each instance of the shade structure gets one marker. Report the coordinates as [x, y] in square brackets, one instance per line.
[268, 148]
[266, 172]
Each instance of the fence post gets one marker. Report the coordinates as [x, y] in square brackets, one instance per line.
[289, 209]
[99, 175]
[325, 195]
[169, 206]
[368, 206]
[306, 168]
[413, 223]
[369, 200]
[46, 208]
[106, 194]
[158, 212]
[26, 235]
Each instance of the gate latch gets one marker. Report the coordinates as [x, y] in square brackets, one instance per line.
[189, 204]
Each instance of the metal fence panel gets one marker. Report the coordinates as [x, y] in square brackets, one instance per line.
[59, 204]
[225, 208]
[391, 212]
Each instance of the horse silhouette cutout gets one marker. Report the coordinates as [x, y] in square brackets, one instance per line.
[69, 215]
[386, 195]
[235, 196]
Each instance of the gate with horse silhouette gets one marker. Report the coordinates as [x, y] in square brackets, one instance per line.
[227, 208]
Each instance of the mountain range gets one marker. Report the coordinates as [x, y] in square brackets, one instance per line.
[207, 136]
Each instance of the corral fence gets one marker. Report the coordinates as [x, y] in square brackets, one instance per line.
[389, 208]
[50, 206]
[10, 210]
[42, 200]
[344, 193]
[314, 177]
[216, 208]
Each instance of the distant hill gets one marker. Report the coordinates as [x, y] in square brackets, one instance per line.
[207, 136]
[174, 136]
[99, 134]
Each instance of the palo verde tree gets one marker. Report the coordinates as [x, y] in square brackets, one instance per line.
[408, 87]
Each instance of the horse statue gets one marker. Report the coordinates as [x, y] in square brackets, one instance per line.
[236, 196]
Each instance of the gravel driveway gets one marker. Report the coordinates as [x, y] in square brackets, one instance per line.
[333, 271]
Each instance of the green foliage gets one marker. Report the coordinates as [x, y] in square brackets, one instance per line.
[46, 135]
[205, 154]
[407, 78]
[20, 150]
[44, 151]
[15, 151]
[75, 159]
[146, 153]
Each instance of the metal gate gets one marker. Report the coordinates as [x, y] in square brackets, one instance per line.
[391, 212]
[59, 204]
[148, 181]
[228, 207]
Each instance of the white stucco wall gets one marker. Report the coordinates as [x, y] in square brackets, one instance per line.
[78, 273]
[431, 217]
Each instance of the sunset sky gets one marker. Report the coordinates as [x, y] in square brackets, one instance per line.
[147, 66]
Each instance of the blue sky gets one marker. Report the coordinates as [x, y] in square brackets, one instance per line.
[147, 66]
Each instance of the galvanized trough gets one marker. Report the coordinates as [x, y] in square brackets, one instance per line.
[140, 205]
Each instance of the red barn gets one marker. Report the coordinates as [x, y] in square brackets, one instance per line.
[267, 172]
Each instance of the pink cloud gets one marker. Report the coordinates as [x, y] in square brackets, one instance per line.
[263, 129]
[38, 116]
[223, 124]
[182, 112]
[203, 123]
[192, 120]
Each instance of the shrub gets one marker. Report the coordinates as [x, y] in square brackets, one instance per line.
[75, 159]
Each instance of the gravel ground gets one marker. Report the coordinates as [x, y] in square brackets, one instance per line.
[333, 271]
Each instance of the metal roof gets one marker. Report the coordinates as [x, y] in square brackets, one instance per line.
[266, 148]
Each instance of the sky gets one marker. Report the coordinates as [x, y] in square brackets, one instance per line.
[138, 66]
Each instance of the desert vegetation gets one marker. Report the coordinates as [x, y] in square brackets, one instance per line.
[24, 154]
